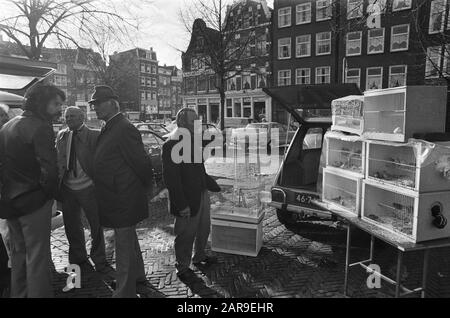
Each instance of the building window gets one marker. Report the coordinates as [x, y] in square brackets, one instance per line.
[400, 38]
[376, 4]
[398, 5]
[303, 13]
[153, 96]
[194, 64]
[374, 78]
[60, 80]
[354, 43]
[190, 85]
[284, 78]
[302, 76]
[261, 80]
[323, 10]
[323, 75]
[62, 69]
[202, 84]
[231, 82]
[229, 107]
[437, 16]
[238, 83]
[284, 17]
[354, 9]
[143, 96]
[142, 81]
[284, 48]
[143, 68]
[375, 41]
[397, 75]
[353, 75]
[153, 82]
[433, 62]
[323, 43]
[246, 81]
[303, 45]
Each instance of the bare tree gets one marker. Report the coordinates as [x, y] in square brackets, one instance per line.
[33, 23]
[226, 43]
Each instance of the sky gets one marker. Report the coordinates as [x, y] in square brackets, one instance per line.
[165, 32]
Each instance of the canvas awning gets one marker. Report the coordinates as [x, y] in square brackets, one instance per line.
[309, 97]
[11, 99]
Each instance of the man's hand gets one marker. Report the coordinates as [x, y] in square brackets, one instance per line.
[185, 213]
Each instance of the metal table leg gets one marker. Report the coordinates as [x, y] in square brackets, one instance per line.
[372, 247]
[426, 255]
[398, 278]
[347, 258]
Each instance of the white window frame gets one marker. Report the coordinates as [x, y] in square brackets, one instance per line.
[369, 38]
[367, 76]
[300, 8]
[390, 74]
[357, 40]
[359, 75]
[429, 64]
[288, 77]
[289, 22]
[443, 13]
[320, 41]
[317, 74]
[297, 44]
[407, 40]
[400, 9]
[297, 76]
[351, 9]
[381, 3]
[326, 7]
[288, 45]
[446, 70]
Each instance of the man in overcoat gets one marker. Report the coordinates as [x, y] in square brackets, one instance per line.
[122, 175]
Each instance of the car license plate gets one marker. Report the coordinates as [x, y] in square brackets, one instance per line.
[304, 198]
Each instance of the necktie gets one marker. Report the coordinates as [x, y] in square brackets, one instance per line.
[73, 155]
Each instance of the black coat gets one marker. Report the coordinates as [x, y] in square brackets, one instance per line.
[28, 168]
[122, 173]
[185, 181]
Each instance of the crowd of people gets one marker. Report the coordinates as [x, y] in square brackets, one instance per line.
[107, 175]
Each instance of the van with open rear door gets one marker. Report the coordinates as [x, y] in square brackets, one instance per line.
[298, 181]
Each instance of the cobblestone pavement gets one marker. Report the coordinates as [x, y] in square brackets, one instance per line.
[306, 262]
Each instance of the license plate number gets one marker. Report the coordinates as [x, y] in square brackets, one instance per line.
[304, 198]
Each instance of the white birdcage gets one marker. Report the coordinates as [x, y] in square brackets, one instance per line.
[417, 217]
[417, 165]
[345, 152]
[347, 114]
[396, 114]
[342, 190]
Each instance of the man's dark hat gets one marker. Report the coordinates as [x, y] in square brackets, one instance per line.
[103, 93]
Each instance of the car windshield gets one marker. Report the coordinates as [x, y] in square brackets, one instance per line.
[149, 139]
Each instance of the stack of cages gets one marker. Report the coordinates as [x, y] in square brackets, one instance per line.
[238, 212]
[407, 188]
[344, 171]
[347, 114]
[395, 114]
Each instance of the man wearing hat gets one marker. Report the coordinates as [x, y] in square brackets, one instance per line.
[122, 174]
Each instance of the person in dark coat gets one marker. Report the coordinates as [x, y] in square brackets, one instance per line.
[122, 172]
[188, 185]
[29, 177]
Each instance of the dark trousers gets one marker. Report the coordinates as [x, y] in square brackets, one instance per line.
[192, 232]
[129, 263]
[73, 202]
[31, 274]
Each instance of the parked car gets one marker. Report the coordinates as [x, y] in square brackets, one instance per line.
[298, 182]
[153, 145]
[159, 128]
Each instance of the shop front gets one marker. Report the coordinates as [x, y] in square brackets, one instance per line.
[254, 105]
